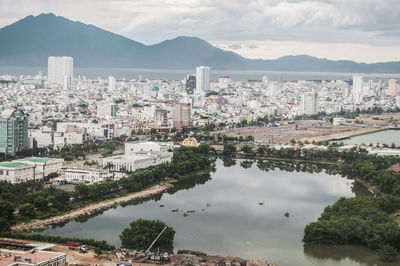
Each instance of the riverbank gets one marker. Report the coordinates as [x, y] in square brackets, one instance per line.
[92, 209]
[343, 135]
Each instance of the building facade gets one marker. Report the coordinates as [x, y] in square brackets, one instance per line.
[13, 131]
[85, 175]
[357, 91]
[202, 79]
[309, 103]
[59, 69]
[106, 109]
[181, 115]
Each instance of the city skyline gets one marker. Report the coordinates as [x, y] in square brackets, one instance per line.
[363, 32]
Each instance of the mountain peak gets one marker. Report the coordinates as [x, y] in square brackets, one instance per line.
[28, 42]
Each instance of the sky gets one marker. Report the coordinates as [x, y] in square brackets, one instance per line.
[359, 30]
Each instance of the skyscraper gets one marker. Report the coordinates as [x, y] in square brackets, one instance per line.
[190, 83]
[309, 103]
[59, 68]
[357, 91]
[181, 115]
[393, 88]
[13, 131]
[111, 84]
[202, 79]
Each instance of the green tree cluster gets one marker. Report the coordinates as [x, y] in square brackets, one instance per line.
[141, 233]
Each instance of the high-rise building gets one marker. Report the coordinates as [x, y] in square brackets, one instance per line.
[309, 103]
[58, 68]
[13, 131]
[161, 119]
[265, 79]
[202, 79]
[111, 84]
[181, 115]
[190, 83]
[106, 109]
[357, 91]
[223, 82]
[393, 88]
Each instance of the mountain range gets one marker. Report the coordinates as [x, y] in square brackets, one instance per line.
[29, 41]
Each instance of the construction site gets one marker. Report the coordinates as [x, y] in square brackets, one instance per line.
[17, 252]
[308, 130]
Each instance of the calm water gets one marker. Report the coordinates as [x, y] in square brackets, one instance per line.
[382, 137]
[168, 74]
[235, 224]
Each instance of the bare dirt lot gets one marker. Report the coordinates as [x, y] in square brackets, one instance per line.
[305, 130]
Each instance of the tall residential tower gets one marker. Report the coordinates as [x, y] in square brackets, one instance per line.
[13, 131]
[60, 69]
[202, 79]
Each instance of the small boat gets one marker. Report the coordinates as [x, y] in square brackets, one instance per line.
[185, 213]
[161, 205]
[261, 203]
[205, 209]
[175, 210]
[286, 214]
[208, 204]
[191, 211]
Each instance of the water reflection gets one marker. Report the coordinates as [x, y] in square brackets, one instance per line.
[345, 255]
[235, 224]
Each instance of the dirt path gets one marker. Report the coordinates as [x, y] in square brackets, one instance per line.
[91, 209]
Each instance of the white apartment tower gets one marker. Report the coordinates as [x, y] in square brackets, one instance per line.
[60, 69]
[357, 91]
[202, 79]
[309, 103]
[393, 88]
[111, 84]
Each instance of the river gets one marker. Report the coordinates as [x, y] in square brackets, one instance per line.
[383, 137]
[235, 223]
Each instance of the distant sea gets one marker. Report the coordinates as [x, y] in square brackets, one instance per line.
[179, 74]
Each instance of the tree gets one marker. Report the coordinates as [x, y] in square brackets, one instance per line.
[387, 253]
[40, 203]
[142, 233]
[4, 225]
[246, 149]
[229, 149]
[27, 210]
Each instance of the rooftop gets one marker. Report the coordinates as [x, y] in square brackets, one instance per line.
[38, 159]
[13, 164]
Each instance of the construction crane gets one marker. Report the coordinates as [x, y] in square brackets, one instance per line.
[148, 250]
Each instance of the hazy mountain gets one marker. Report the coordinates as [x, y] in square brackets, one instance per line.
[31, 40]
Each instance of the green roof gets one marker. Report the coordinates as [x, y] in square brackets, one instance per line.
[13, 164]
[38, 160]
[156, 89]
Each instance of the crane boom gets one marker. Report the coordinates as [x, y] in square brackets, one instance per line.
[156, 239]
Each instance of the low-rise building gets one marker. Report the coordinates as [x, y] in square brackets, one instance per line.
[85, 175]
[44, 165]
[16, 172]
[139, 155]
[29, 258]
[190, 142]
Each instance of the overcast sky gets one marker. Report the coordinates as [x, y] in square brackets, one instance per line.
[359, 30]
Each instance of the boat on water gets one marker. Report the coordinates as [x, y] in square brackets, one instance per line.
[175, 210]
[261, 203]
[161, 205]
[286, 214]
[208, 204]
[191, 211]
[185, 213]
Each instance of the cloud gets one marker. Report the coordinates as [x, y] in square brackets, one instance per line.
[252, 46]
[235, 46]
[372, 22]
